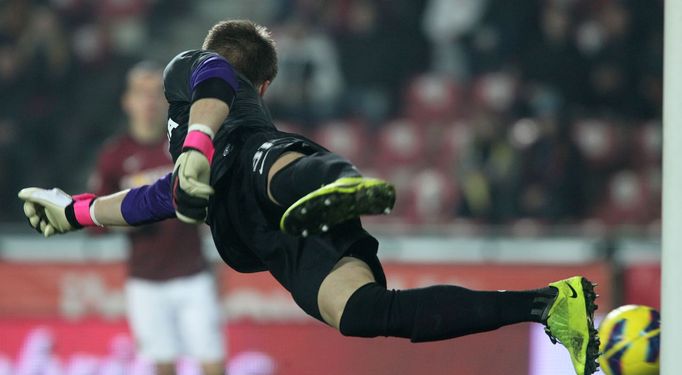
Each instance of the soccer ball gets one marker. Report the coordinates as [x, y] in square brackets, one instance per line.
[630, 340]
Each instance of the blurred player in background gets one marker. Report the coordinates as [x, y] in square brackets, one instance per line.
[171, 294]
[279, 202]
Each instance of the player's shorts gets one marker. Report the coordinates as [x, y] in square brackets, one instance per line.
[177, 317]
[246, 230]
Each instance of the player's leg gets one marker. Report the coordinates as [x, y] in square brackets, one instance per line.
[349, 275]
[322, 189]
[150, 315]
[199, 321]
[351, 301]
[358, 306]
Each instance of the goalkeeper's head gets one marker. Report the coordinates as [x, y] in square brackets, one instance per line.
[249, 47]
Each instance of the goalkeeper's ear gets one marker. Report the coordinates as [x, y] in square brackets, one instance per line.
[263, 88]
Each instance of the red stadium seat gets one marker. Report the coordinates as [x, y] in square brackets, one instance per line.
[495, 91]
[431, 197]
[628, 200]
[346, 138]
[433, 98]
[400, 143]
[598, 141]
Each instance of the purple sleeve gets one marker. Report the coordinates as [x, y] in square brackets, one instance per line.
[214, 67]
[149, 203]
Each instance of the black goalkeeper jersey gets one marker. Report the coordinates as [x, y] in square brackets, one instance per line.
[247, 110]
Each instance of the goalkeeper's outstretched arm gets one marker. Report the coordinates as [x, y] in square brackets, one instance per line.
[53, 211]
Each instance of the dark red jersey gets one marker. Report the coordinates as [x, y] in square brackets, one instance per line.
[160, 251]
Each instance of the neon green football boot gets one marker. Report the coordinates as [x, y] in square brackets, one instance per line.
[342, 200]
[570, 321]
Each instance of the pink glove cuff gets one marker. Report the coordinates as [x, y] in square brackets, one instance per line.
[81, 209]
[201, 142]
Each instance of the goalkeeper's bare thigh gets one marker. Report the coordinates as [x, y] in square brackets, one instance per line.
[346, 277]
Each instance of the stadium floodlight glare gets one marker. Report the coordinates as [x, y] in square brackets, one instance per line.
[671, 302]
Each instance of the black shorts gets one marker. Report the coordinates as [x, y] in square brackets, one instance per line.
[245, 224]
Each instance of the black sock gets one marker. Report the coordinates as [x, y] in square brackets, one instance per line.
[438, 312]
[307, 174]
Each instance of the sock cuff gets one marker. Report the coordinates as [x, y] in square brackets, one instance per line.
[542, 303]
[354, 319]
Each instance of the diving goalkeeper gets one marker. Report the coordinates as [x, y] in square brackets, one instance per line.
[281, 203]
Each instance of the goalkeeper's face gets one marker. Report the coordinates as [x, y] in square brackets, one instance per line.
[144, 102]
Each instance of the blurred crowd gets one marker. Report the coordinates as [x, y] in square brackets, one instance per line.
[523, 113]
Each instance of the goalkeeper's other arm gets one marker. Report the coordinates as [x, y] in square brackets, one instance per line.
[54, 212]
[214, 85]
[192, 172]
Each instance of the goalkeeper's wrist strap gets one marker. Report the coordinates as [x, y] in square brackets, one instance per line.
[200, 137]
[82, 215]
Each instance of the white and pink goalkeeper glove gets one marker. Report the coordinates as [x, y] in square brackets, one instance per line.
[53, 211]
[192, 174]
